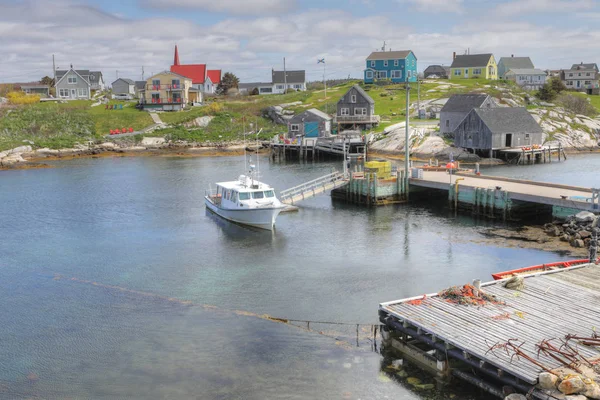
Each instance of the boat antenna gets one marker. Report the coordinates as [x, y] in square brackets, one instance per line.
[244, 133]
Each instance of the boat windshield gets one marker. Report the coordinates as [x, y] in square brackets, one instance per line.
[244, 196]
[269, 193]
[258, 195]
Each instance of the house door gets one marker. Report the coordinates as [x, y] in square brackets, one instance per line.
[508, 142]
[311, 129]
[578, 84]
[73, 93]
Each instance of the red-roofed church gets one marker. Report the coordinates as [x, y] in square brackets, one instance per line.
[203, 79]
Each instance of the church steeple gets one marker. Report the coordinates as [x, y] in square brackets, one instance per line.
[176, 58]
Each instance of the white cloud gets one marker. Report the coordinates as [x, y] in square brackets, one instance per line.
[522, 7]
[435, 6]
[238, 7]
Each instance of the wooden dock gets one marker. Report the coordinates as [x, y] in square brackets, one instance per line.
[318, 148]
[499, 196]
[551, 305]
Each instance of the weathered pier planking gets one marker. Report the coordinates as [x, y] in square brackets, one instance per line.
[552, 304]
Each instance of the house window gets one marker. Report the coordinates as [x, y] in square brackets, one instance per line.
[457, 72]
[587, 74]
[344, 111]
[176, 84]
[587, 83]
[266, 90]
[447, 123]
[295, 127]
[83, 92]
[72, 79]
[579, 74]
[476, 71]
[570, 75]
[369, 74]
[466, 72]
[63, 92]
[396, 63]
[382, 74]
[279, 87]
[177, 97]
[155, 97]
[360, 111]
[372, 64]
[408, 73]
[353, 98]
[385, 63]
[396, 74]
[297, 86]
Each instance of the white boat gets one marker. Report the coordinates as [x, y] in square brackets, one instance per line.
[245, 201]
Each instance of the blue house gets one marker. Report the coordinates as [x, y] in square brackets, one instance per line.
[397, 66]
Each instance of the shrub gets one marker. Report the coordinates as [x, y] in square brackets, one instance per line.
[19, 97]
[214, 108]
[576, 104]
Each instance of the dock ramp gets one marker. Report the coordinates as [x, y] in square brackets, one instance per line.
[312, 188]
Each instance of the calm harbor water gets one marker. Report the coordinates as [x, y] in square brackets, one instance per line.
[116, 283]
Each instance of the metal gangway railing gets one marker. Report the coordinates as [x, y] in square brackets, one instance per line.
[312, 188]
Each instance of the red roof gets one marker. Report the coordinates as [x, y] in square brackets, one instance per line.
[214, 75]
[196, 72]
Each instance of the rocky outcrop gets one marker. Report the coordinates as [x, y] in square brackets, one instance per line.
[200, 122]
[13, 156]
[577, 230]
[571, 131]
[275, 114]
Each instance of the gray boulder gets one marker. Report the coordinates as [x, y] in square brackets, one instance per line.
[585, 216]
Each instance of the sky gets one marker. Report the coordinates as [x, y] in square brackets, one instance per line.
[250, 37]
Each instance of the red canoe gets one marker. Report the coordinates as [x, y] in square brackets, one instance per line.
[539, 268]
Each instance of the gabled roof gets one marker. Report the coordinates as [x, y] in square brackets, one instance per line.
[292, 76]
[140, 85]
[389, 55]
[362, 93]
[471, 60]
[67, 73]
[319, 113]
[214, 75]
[95, 76]
[516, 63]
[170, 73]
[583, 66]
[129, 81]
[196, 72]
[508, 120]
[464, 102]
[436, 69]
[526, 71]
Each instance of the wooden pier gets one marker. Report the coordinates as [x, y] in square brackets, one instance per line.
[533, 155]
[318, 148]
[500, 197]
[465, 341]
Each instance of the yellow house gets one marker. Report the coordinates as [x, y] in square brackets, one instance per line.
[474, 66]
[168, 91]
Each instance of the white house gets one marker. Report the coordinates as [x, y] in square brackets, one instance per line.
[529, 79]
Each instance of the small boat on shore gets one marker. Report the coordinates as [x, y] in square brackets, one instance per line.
[245, 201]
[539, 268]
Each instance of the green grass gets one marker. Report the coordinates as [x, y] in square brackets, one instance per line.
[593, 99]
[128, 117]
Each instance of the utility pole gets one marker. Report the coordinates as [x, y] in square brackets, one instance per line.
[284, 77]
[325, 84]
[406, 137]
[418, 97]
[142, 72]
[54, 70]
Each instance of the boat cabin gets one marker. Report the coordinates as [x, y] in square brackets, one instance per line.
[242, 193]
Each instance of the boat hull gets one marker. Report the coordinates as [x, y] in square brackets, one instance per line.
[539, 268]
[263, 218]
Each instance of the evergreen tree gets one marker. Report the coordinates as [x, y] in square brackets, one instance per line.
[228, 82]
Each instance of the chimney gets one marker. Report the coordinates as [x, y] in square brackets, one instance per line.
[453, 55]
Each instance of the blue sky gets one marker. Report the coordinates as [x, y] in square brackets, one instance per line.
[250, 37]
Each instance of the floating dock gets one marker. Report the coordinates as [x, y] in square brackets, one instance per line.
[470, 341]
[318, 148]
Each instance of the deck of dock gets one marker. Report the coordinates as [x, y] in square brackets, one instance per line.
[470, 189]
[551, 305]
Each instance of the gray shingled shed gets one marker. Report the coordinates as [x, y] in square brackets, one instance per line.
[458, 106]
[498, 128]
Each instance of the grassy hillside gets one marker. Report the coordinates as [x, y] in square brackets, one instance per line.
[63, 125]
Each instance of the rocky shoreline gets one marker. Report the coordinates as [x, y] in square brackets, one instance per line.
[25, 157]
